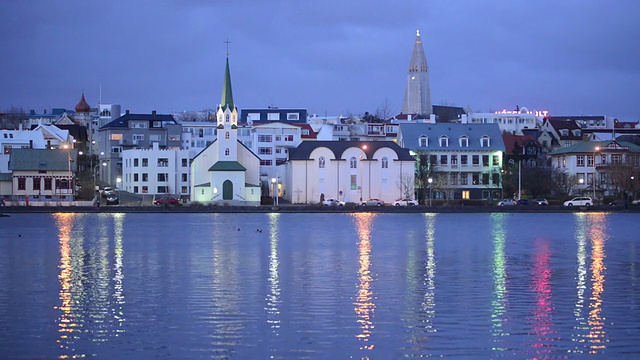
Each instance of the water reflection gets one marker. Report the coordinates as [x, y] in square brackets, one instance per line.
[543, 326]
[590, 332]
[499, 302]
[364, 305]
[90, 309]
[273, 299]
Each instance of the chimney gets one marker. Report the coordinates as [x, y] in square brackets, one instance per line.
[153, 113]
[126, 112]
[30, 144]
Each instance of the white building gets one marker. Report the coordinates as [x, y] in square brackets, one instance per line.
[351, 171]
[155, 172]
[511, 121]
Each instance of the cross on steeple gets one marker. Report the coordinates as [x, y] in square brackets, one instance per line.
[227, 42]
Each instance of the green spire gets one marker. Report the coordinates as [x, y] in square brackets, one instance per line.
[227, 94]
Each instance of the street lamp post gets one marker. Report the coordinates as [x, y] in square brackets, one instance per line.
[273, 186]
[430, 180]
[69, 176]
[581, 181]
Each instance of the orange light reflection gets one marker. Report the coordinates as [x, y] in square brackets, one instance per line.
[364, 305]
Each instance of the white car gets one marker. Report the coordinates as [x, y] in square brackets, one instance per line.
[579, 201]
[373, 202]
[507, 202]
[405, 202]
[333, 202]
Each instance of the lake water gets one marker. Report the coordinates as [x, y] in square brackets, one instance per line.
[320, 286]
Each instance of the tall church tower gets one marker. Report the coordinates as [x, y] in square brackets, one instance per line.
[227, 119]
[417, 95]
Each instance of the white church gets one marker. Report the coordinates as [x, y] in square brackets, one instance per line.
[226, 172]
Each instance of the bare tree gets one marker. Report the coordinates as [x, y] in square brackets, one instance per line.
[384, 112]
[563, 181]
[12, 118]
[406, 185]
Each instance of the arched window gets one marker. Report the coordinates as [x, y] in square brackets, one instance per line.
[423, 141]
[227, 152]
[227, 118]
[321, 162]
[353, 163]
[444, 141]
[464, 141]
[385, 163]
[226, 135]
[485, 141]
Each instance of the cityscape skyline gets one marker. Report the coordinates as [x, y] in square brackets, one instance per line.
[485, 56]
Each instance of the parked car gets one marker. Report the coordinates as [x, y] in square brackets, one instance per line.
[579, 201]
[405, 202]
[523, 202]
[373, 202]
[507, 202]
[541, 201]
[636, 202]
[112, 199]
[333, 202]
[106, 191]
[618, 202]
[167, 200]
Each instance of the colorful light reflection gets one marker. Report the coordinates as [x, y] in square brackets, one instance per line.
[364, 305]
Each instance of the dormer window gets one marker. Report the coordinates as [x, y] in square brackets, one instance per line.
[564, 132]
[423, 141]
[444, 141]
[485, 141]
[464, 141]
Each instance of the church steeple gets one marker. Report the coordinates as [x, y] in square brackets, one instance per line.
[417, 96]
[227, 93]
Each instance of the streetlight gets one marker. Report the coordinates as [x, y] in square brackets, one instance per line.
[581, 181]
[69, 179]
[118, 182]
[430, 180]
[273, 186]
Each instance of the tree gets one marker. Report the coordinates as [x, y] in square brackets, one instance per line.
[563, 182]
[384, 112]
[406, 185]
[12, 118]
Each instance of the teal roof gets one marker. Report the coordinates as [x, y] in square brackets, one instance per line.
[204, 185]
[589, 147]
[227, 166]
[227, 93]
[5, 176]
[42, 159]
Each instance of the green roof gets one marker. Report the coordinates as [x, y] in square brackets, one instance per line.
[42, 159]
[227, 94]
[227, 166]
[589, 147]
[5, 176]
[204, 185]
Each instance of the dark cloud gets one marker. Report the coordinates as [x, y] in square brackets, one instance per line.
[330, 57]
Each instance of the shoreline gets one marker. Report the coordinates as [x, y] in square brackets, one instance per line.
[313, 209]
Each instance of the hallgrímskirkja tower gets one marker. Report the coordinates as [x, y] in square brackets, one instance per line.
[417, 96]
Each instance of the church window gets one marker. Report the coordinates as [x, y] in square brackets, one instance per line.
[385, 163]
[321, 162]
[227, 152]
[353, 163]
[226, 118]
[226, 135]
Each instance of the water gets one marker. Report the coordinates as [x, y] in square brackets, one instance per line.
[319, 286]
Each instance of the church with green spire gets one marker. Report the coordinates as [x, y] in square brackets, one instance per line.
[226, 171]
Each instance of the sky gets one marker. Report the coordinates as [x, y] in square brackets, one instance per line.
[570, 57]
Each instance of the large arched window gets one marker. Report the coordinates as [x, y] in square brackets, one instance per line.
[321, 162]
[385, 163]
[226, 135]
[227, 152]
[227, 118]
[353, 163]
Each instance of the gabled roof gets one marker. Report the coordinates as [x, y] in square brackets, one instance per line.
[312, 134]
[510, 142]
[42, 159]
[123, 121]
[411, 132]
[304, 150]
[227, 166]
[448, 113]
[568, 124]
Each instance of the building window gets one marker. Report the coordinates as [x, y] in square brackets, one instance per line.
[424, 141]
[227, 152]
[353, 163]
[495, 178]
[475, 178]
[266, 162]
[485, 160]
[145, 162]
[22, 183]
[184, 190]
[293, 116]
[496, 160]
[443, 159]
[466, 194]
[444, 141]
[185, 162]
[484, 141]
[580, 160]
[47, 183]
[135, 177]
[162, 189]
[454, 178]
[485, 179]
[184, 177]
[616, 159]
[321, 162]
[145, 189]
[35, 185]
[475, 160]
[463, 160]
[163, 162]
[226, 118]
[135, 162]
[354, 182]
[116, 149]
[464, 141]
[288, 138]
[464, 179]
[265, 151]
[385, 163]
[454, 160]
[145, 177]
[162, 177]
[135, 189]
[265, 138]
[273, 116]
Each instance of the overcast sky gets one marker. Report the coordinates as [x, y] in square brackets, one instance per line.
[331, 57]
